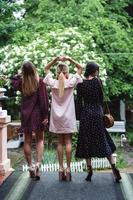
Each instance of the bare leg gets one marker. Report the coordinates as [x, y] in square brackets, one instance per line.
[27, 148]
[39, 146]
[68, 143]
[39, 153]
[60, 150]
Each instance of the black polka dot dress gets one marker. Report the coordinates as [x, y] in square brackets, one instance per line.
[93, 138]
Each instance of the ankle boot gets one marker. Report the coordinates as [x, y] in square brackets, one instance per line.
[116, 173]
[90, 173]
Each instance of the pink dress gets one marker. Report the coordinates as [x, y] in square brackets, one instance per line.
[62, 116]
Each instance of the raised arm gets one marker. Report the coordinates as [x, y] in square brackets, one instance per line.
[48, 66]
[79, 66]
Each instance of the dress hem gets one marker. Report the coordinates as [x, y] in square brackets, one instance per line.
[93, 156]
[62, 132]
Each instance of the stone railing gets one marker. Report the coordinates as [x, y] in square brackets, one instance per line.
[5, 166]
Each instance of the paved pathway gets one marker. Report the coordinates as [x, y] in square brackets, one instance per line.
[19, 187]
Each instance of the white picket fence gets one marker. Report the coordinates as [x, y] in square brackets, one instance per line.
[97, 163]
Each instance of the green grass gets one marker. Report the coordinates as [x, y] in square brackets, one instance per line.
[50, 156]
[121, 163]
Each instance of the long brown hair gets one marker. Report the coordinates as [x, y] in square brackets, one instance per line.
[62, 71]
[30, 78]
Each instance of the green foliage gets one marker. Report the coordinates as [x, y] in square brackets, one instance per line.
[2, 80]
[74, 140]
[50, 156]
[121, 162]
[8, 23]
[69, 41]
[130, 138]
[104, 25]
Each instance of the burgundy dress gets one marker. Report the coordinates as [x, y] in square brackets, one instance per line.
[34, 108]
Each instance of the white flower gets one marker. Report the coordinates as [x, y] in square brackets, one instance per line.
[18, 92]
[94, 45]
[53, 34]
[44, 62]
[36, 62]
[6, 64]
[26, 57]
[42, 55]
[43, 49]
[45, 44]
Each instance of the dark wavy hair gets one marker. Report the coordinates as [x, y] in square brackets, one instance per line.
[91, 68]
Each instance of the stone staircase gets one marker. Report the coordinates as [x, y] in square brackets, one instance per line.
[19, 186]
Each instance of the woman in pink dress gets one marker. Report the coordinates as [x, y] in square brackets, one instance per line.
[62, 116]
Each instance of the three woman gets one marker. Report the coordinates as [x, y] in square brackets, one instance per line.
[93, 138]
[34, 113]
[62, 116]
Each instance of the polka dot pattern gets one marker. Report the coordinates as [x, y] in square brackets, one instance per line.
[93, 138]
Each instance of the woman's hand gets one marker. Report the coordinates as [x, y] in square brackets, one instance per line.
[79, 67]
[65, 58]
[47, 67]
[45, 122]
[19, 72]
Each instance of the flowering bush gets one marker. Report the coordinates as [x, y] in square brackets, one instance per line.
[2, 80]
[70, 42]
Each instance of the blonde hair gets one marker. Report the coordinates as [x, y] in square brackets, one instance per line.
[30, 79]
[62, 70]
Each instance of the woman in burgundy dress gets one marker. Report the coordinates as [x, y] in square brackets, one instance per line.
[34, 113]
[93, 138]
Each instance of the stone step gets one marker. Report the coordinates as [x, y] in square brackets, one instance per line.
[102, 187]
[127, 186]
[8, 183]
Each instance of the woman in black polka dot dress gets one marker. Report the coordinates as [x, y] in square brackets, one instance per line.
[93, 139]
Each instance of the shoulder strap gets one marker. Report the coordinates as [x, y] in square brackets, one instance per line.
[108, 110]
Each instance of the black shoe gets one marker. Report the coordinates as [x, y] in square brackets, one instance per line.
[68, 176]
[62, 176]
[117, 175]
[90, 173]
[37, 166]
